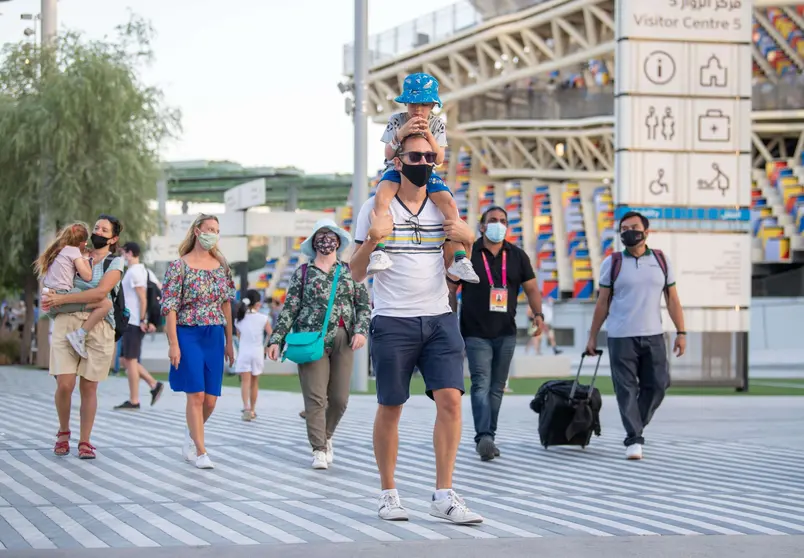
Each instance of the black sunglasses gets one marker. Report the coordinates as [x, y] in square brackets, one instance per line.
[416, 156]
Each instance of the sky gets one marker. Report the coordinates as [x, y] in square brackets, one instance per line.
[256, 80]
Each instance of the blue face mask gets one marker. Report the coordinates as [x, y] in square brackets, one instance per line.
[495, 232]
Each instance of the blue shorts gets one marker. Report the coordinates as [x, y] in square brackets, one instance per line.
[435, 184]
[431, 343]
[201, 364]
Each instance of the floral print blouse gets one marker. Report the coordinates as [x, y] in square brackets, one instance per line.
[351, 305]
[196, 295]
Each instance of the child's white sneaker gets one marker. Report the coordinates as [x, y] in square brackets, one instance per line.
[463, 270]
[379, 261]
[78, 342]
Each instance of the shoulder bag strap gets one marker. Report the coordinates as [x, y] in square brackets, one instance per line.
[331, 299]
[616, 265]
[303, 282]
[660, 259]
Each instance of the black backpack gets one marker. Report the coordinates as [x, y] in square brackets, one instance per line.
[153, 297]
[118, 304]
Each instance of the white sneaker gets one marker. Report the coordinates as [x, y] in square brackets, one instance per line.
[390, 507]
[633, 452]
[379, 261]
[463, 270]
[330, 453]
[188, 447]
[204, 462]
[319, 460]
[78, 342]
[453, 508]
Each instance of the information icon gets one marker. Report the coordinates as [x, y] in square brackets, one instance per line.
[659, 67]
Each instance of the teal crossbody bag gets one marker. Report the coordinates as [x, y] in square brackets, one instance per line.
[308, 346]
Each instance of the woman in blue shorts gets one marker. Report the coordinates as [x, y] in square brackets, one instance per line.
[196, 298]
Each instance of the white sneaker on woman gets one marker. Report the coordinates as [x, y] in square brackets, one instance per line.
[188, 447]
[319, 460]
[330, 453]
[204, 462]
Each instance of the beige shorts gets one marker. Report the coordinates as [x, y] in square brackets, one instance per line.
[99, 343]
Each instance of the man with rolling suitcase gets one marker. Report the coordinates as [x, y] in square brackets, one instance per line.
[632, 283]
[487, 321]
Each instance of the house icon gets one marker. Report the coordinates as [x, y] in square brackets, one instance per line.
[713, 74]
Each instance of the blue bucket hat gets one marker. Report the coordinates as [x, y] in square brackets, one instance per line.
[419, 89]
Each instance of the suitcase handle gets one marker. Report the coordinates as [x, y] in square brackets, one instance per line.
[599, 353]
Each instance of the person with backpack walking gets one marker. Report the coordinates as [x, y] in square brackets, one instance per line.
[135, 289]
[325, 319]
[196, 301]
[65, 363]
[632, 284]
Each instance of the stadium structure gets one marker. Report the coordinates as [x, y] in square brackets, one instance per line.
[528, 97]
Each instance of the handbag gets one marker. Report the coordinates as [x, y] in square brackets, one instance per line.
[302, 347]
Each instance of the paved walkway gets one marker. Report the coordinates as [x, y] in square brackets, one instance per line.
[714, 466]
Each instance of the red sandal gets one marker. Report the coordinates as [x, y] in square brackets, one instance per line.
[86, 450]
[62, 447]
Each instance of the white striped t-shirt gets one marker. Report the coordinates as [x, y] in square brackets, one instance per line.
[416, 285]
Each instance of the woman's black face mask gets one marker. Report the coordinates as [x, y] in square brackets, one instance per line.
[99, 241]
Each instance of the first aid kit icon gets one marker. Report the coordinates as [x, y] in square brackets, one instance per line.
[714, 126]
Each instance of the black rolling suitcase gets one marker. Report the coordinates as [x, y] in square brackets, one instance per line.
[568, 412]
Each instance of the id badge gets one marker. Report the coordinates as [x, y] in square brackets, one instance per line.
[498, 300]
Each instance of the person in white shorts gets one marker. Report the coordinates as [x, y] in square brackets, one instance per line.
[253, 328]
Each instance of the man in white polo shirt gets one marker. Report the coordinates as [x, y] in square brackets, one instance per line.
[413, 326]
[632, 284]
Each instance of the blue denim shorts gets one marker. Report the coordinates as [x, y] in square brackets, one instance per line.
[436, 184]
[431, 343]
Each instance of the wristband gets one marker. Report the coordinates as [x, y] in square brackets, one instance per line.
[681, 333]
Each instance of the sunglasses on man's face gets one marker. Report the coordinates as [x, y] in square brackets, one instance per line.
[415, 157]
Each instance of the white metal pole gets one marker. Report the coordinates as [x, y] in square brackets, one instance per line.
[360, 173]
[49, 18]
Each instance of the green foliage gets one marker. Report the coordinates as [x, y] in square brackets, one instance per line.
[81, 135]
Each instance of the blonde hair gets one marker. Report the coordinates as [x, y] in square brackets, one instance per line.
[189, 241]
[71, 235]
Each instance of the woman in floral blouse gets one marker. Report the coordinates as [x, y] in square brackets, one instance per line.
[325, 383]
[196, 298]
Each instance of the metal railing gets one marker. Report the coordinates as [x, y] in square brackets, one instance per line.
[433, 28]
[562, 104]
[526, 104]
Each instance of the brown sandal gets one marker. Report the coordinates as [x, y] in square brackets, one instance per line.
[62, 447]
[86, 450]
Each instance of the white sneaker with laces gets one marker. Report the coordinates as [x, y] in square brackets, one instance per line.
[204, 462]
[633, 452]
[319, 460]
[463, 270]
[330, 453]
[378, 261]
[78, 342]
[188, 447]
[454, 509]
[390, 507]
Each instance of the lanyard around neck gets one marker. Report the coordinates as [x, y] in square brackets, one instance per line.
[504, 269]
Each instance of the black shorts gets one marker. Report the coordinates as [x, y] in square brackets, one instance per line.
[132, 342]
